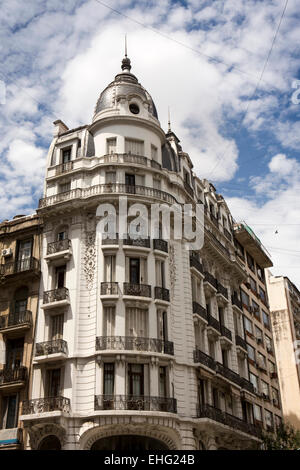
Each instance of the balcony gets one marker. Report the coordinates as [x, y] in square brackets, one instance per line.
[130, 343]
[111, 239]
[210, 283]
[12, 379]
[247, 385]
[222, 294]
[241, 343]
[155, 165]
[28, 266]
[137, 290]
[225, 333]
[135, 403]
[46, 405]
[213, 327]
[15, 323]
[196, 264]
[136, 242]
[214, 220]
[110, 288]
[255, 248]
[215, 414]
[59, 249]
[188, 189]
[200, 311]
[160, 293]
[236, 302]
[56, 298]
[229, 374]
[160, 245]
[63, 168]
[51, 351]
[208, 361]
[106, 189]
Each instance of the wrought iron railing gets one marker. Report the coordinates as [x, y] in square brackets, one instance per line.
[142, 242]
[131, 343]
[159, 244]
[135, 402]
[112, 239]
[55, 295]
[237, 302]
[199, 310]
[19, 266]
[218, 244]
[229, 374]
[247, 385]
[16, 319]
[241, 342]
[143, 290]
[51, 347]
[60, 245]
[222, 290]
[162, 294]
[63, 168]
[200, 356]
[45, 405]
[210, 279]
[108, 188]
[225, 332]
[211, 412]
[195, 263]
[213, 322]
[109, 288]
[13, 374]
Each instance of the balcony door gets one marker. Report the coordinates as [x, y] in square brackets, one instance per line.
[14, 353]
[130, 183]
[136, 379]
[134, 270]
[60, 276]
[162, 325]
[57, 327]
[24, 254]
[9, 412]
[136, 321]
[20, 302]
[53, 384]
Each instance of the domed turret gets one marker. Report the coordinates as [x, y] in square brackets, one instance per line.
[125, 87]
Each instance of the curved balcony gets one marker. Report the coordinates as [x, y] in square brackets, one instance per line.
[58, 249]
[208, 361]
[51, 351]
[109, 288]
[215, 414]
[229, 374]
[222, 293]
[236, 302]
[15, 322]
[63, 168]
[139, 290]
[136, 241]
[130, 343]
[160, 245]
[160, 293]
[210, 283]
[109, 188]
[56, 297]
[12, 378]
[135, 403]
[195, 263]
[46, 405]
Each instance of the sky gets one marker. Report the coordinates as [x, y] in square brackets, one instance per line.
[228, 69]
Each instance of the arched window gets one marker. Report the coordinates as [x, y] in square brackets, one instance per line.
[50, 443]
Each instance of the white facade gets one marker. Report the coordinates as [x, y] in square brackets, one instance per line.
[141, 338]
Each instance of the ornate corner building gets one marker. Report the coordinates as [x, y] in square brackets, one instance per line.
[20, 241]
[139, 343]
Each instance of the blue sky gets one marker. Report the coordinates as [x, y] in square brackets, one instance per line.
[204, 59]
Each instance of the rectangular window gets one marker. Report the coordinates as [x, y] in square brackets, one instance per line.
[254, 380]
[60, 276]
[240, 250]
[269, 344]
[255, 309]
[136, 379]
[63, 188]
[109, 319]
[264, 389]
[57, 327]
[275, 396]
[262, 294]
[253, 284]
[53, 383]
[251, 352]
[153, 152]
[163, 382]
[245, 299]
[156, 183]
[269, 419]
[108, 378]
[66, 155]
[248, 325]
[109, 268]
[260, 273]
[136, 147]
[111, 145]
[257, 412]
[24, 252]
[160, 273]
[14, 353]
[266, 319]
[136, 322]
[162, 325]
[258, 335]
[250, 262]
[261, 361]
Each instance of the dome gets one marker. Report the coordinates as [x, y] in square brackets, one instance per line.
[124, 84]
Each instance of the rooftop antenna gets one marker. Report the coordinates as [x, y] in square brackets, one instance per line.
[125, 45]
[126, 66]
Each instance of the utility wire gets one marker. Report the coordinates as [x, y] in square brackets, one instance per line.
[257, 85]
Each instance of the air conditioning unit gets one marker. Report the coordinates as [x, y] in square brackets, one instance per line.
[6, 252]
[259, 340]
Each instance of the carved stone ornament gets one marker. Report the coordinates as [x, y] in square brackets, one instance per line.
[172, 267]
[90, 259]
[38, 433]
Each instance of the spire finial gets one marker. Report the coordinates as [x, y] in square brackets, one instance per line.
[169, 120]
[126, 66]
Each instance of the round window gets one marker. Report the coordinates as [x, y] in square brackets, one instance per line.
[134, 108]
